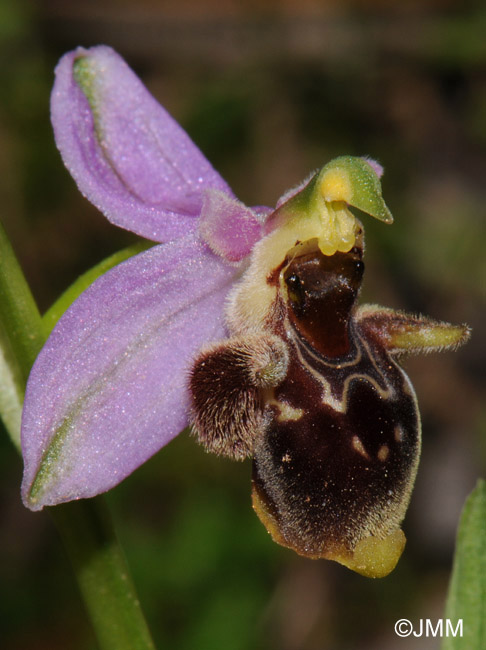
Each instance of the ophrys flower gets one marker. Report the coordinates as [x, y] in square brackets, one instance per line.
[306, 383]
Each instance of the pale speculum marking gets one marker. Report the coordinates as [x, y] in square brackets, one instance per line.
[358, 446]
[398, 433]
[383, 452]
[335, 395]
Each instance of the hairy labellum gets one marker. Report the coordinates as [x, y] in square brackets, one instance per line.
[309, 386]
[337, 459]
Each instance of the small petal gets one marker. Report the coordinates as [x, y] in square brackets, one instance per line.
[375, 165]
[403, 333]
[109, 387]
[229, 227]
[127, 155]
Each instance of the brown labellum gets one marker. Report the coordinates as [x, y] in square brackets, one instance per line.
[315, 395]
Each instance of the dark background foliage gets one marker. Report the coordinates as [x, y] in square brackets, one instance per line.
[269, 90]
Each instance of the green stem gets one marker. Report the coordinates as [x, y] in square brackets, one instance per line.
[85, 526]
[102, 573]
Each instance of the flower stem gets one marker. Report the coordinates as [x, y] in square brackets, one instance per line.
[98, 561]
[84, 526]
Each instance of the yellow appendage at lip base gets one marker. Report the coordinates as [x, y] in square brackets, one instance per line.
[372, 557]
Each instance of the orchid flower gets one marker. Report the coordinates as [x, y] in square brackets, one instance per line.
[240, 320]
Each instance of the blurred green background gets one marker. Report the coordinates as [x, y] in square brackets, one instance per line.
[269, 90]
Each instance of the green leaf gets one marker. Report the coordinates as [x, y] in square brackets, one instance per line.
[467, 591]
[20, 337]
[11, 393]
